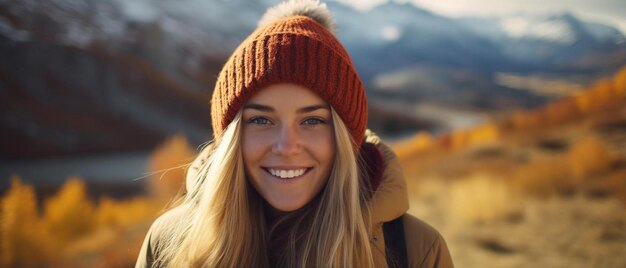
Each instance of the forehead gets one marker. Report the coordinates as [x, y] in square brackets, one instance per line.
[286, 95]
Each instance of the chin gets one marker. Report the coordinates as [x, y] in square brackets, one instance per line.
[287, 206]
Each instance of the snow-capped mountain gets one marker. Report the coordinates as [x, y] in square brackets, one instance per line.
[80, 76]
[548, 41]
[560, 28]
[407, 36]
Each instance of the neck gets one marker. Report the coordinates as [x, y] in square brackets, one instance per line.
[272, 214]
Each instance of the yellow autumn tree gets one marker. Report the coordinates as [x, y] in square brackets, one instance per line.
[22, 237]
[124, 213]
[619, 82]
[583, 102]
[561, 112]
[419, 142]
[485, 133]
[69, 214]
[589, 157]
[603, 95]
[525, 120]
[459, 139]
[168, 165]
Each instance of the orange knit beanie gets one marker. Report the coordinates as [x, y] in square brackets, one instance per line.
[295, 47]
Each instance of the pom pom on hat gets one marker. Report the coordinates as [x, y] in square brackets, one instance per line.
[308, 8]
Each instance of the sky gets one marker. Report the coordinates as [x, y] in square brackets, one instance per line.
[612, 12]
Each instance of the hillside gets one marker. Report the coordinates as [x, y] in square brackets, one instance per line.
[96, 77]
[543, 188]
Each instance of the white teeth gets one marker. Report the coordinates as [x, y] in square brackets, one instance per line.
[286, 174]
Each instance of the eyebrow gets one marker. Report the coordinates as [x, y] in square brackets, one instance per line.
[265, 108]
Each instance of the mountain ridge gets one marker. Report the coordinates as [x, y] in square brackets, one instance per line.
[152, 65]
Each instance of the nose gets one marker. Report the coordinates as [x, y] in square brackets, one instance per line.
[287, 142]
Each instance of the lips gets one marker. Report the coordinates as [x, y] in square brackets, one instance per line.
[286, 173]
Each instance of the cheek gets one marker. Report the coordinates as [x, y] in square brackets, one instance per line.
[252, 147]
[323, 147]
[252, 153]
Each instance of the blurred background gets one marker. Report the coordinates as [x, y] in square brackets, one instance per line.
[509, 118]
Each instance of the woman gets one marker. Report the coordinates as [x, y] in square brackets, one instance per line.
[292, 178]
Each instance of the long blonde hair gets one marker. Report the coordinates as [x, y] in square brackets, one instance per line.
[223, 224]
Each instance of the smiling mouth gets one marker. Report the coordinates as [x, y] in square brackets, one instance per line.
[286, 173]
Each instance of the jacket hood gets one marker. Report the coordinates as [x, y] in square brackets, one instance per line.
[390, 199]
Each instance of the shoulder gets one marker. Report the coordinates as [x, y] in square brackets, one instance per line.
[419, 232]
[425, 245]
[166, 222]
[157, 233]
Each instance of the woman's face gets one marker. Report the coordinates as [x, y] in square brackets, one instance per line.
[288, 144]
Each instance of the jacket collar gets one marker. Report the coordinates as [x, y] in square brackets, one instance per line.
[386, 179]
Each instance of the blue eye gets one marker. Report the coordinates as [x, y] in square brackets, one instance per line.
[313, 121]
[259, 121]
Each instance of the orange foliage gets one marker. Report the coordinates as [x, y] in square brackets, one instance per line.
[526, 120]
[583, 102]
[421, 141]
[544, 177]
[586, 160]
[485, 133]
[561, 111]
[619, 82]
[589, 157]
[71, 226]
[23, 240]
[168, 164]
[124, 213]
[478, 135]
[602, 95]
[69, 214]
[458, 139]
[72, 231]
[124, 253]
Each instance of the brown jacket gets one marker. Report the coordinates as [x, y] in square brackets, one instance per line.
[425, 246]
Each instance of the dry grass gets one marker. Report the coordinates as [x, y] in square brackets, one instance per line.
[544, 178]
[556, 231]
[482, 199]
[553, 197]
